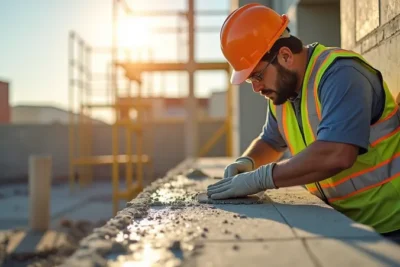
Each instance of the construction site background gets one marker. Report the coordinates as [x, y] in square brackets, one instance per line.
[20, 141]
[90, 188]
[369, 27]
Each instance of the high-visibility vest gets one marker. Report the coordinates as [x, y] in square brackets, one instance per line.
[369, 191]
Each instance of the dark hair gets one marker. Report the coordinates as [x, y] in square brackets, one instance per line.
[292, 42]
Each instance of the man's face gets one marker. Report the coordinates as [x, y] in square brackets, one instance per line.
[278, 83]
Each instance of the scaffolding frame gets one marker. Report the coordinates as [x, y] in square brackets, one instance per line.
[81, 125]
[191, 67]
[81, 158]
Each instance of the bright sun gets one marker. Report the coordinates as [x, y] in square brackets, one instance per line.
[133, 32]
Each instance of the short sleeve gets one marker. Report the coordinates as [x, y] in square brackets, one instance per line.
[270, 133]
[346, 102]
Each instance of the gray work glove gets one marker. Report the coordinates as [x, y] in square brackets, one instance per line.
[242, 164]
[243, 184]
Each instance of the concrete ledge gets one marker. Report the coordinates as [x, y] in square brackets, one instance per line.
[166, 226]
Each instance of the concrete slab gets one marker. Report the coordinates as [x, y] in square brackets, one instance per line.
[365, 252]
[319, 221]
[222, 222]
[167, 226]
[252, 254]
[294, 195]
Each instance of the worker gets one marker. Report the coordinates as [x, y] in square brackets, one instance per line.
[329, 107]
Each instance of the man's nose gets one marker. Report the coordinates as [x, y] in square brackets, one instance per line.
[256, 87]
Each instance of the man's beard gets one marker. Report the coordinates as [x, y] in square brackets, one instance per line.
[286, 85]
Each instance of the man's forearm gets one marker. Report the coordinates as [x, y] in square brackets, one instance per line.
[319, 161]
[282, 171]
[261, 152]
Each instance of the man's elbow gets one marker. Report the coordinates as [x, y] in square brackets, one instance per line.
[344, 158]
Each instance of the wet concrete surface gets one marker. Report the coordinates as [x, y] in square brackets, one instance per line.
[167, 226]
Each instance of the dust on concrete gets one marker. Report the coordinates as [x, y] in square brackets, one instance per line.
[297, 197]
[106, 240]
[164, 221]
[163, 226]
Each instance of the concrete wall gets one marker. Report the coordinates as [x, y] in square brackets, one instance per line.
[43, 115]
[372, 28]
[318, 22]
[37, 115]
[217, 105]
[164, 143]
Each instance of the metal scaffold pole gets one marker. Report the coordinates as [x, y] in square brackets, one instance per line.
[191, 133]
[71, 111]
[114, 90]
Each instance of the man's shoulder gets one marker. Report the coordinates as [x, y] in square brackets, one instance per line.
[345, 68]
[347, 62]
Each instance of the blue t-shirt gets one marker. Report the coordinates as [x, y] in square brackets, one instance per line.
[352, 98]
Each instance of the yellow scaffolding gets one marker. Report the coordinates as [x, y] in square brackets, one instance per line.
[134, 69]
[81, 101]
[81, 157]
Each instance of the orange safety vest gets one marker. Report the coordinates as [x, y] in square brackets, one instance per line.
[369, 191]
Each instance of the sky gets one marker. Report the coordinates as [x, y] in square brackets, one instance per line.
[34, 45]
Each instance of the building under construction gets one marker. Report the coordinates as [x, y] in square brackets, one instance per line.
[126, 94]
[160, 154]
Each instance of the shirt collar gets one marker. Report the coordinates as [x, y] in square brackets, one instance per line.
[310, 51]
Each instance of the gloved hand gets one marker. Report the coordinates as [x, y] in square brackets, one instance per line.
[243, 184]
[242, 164]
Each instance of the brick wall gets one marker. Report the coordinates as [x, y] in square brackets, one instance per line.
[372, 28]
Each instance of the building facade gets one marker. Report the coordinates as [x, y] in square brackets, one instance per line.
[372, 28]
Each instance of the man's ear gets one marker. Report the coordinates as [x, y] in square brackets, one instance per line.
[285, 56]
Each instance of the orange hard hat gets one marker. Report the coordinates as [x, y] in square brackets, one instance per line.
[247, 34]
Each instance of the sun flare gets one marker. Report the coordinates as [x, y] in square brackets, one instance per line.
[133, 32]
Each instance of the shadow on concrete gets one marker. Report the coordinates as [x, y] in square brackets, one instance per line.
[16, 224]
[34, 242]
[311, 222]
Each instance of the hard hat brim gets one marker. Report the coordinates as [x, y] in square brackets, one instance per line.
[239, 77]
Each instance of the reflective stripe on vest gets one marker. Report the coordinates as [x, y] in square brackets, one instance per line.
[360, 182]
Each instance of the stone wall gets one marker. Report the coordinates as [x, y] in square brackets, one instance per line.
[372, 28]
